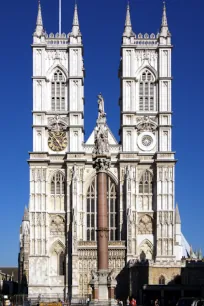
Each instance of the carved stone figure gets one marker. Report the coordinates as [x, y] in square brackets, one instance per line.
[146, 124]
[111, 275]
[94, 275]
[101, 111]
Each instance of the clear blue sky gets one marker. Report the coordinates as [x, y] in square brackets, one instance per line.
[101, 23]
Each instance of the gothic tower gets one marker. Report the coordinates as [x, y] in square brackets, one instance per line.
[145, 133]
[58, 128]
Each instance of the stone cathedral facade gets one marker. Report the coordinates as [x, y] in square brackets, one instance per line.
[58, 232]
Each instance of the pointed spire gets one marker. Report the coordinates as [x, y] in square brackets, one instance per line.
[164, 17]
[177, 215]
[164, 31]
[128, 24]
[26, 214]
[200, 256]
[39, 23]
[75, 24]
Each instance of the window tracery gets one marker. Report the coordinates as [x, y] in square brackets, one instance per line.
[147, 91]
[146, 183]
[57, 184]
[91, 201]
[58, 85]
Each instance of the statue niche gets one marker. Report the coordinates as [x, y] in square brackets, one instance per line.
[146, 250]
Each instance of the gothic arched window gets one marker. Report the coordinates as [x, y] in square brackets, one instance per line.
[58, 91]
[91, 211]
[91, 200]
[162, 280]
[147, 91]
[57, 184]
[146, 183]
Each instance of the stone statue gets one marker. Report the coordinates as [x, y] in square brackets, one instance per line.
[101, 111]
[111, 276]
[101, 131]
[94, 275]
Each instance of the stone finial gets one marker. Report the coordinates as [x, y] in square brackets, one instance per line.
[26, 214]
[75, 24]
[164, 31]
[164, 17]
[177, 215]
[128, 25]
[39, 23]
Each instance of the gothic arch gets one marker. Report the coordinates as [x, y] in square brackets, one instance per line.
[53, 68]
[112, 175]
[143, 172]
[91, 177]
[146, 250]
[52, 173]
[57, 246]
[162, 280]
[57, 259]
[148, 67]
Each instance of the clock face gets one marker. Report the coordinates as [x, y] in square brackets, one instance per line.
[146, 141]
[57, 140]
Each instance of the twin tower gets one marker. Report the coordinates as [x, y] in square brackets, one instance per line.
[97, 206]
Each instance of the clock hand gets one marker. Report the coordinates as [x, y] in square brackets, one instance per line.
[56, 140]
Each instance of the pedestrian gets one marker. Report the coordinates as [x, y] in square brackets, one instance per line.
[156, 303]
[87, 301]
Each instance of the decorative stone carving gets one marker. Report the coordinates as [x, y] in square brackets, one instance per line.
[57, 123]
[145, 225]
[102, 164]
[57, 225]
[111, 276]
[94, 275]
[146, 124]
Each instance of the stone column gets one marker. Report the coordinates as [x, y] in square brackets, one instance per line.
[100, 278]
[102, 218]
